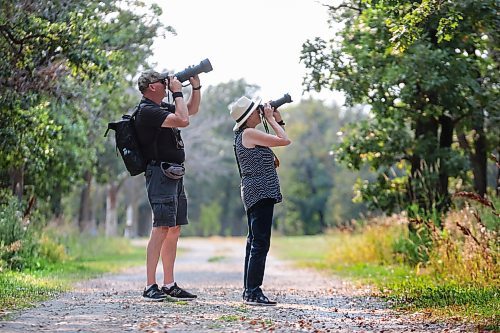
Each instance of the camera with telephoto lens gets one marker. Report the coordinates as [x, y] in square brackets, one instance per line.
[277, 103]
[203, 67]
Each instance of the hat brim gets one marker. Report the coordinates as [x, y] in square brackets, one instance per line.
[256, 101]
[163, 75]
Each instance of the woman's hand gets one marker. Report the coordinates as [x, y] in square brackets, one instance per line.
[268, 112]
[277, 116]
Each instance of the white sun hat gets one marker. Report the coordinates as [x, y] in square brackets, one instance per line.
[242, 109]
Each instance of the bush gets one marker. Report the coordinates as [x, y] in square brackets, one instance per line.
[18, 244]
[22, 243]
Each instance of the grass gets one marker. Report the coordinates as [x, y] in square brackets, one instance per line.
[89, 259]
[216, 258]
[404, 287]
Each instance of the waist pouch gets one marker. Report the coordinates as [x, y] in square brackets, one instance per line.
[172, 170]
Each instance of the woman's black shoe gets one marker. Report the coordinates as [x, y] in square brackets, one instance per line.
[258, 300]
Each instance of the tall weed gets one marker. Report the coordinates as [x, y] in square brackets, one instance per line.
[18, 244]
[467, 250]
[22, 242]
[371, 243]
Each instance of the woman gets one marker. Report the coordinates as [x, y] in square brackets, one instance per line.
[260, 188]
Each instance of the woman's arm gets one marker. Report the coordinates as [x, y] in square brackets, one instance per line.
[253, 137]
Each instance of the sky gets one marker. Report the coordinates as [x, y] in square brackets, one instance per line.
[259, 41]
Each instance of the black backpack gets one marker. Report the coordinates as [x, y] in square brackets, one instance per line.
[128, 144]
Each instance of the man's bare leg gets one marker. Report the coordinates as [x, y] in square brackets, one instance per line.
[169, 252]
[156, 240]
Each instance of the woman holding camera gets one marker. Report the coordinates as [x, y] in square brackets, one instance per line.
[260, 188]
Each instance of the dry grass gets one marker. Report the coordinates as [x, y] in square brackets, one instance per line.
[466, 250]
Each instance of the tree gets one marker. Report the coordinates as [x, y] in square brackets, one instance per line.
[210, 157]
[63, 75]
[419, 98]
[317, 191]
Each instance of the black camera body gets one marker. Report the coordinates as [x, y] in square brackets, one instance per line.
[279, 102]
[203, 67]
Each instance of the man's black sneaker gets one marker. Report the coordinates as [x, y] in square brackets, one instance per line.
[258, 300]
[178, 293]
[154, 294]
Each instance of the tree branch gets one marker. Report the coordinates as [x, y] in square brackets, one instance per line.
[335, 8]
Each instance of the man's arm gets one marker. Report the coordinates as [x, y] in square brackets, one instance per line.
[181, 116]
[193, 104]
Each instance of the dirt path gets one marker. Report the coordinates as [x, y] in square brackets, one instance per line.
[212, 268]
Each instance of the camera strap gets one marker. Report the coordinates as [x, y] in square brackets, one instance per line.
[266, 127]
[264, 122]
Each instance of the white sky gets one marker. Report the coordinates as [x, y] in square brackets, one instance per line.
[258, 40]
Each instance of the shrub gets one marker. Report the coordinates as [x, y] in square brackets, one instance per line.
[23, 245]
[18, 244]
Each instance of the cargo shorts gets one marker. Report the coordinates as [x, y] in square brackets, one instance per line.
[166, 197]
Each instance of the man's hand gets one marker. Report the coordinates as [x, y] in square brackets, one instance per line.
[195, 81]
[174, 85]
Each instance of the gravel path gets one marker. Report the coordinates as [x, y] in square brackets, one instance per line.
[212, 268]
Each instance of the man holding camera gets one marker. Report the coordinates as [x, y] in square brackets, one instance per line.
[160, 141]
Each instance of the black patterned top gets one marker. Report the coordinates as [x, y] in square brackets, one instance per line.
[259, 179]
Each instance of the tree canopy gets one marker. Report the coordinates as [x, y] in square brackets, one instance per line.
[428, 71]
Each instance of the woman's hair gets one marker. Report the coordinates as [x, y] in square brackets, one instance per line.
[244, 125]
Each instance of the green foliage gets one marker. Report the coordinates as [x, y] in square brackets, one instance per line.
[214, 180]
[20, 290]
[19, 248]
[459, 278]
[414, 247]
[210, 219]
[23, 243]
[90, 257]
[65, 72]
[477, 303]
[446, 80]
[324, 199]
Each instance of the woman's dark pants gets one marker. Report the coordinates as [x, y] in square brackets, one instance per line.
[260, 217]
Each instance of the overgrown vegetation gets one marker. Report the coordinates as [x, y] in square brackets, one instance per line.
[78, 257]
[459, 279]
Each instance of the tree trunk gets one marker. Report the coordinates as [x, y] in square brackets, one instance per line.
[85, 223]
[129, 223]
[426, 129]
[17, 181]
[479, 161]
[111, 224]
[497, 190]
[445, 141]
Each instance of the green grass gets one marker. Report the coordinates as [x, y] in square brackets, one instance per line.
[229, 318]
[91, 258]
[398, 283]
[306, 251]
[216, 258]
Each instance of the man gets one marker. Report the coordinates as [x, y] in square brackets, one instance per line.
[157, 126]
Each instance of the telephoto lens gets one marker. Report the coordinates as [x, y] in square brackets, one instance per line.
[203, 67]
[279, 102]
